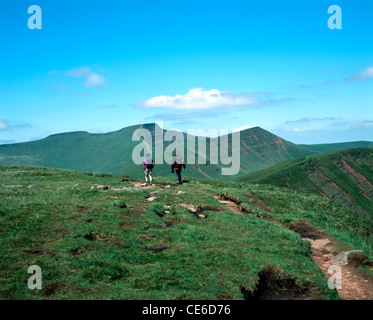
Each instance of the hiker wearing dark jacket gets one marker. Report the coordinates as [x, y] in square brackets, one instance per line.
[148, 165]
[177, 165]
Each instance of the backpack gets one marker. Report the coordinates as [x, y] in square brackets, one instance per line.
[178, 163]
[149, 163]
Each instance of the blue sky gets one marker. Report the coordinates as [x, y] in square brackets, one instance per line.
[99, 66]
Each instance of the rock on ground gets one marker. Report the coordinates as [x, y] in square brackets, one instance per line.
[341, 258]
[13, 186]
[35, 186]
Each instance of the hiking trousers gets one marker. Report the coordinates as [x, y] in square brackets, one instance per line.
[148, 175]
[178, 173]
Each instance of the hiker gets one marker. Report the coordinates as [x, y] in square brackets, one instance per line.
[148, 165]
[177, 165]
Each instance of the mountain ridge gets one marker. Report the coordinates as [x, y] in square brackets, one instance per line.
[112, 152]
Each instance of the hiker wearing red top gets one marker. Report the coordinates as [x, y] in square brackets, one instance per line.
[177, 165]
[148, 165]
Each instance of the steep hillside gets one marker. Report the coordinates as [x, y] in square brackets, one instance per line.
[112, 153]
[345, 176]
[327, 147]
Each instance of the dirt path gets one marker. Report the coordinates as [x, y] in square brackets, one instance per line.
[230, 205]
[354, 285]
[139, 184]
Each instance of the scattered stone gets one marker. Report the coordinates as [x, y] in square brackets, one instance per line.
[191, 208]
[116, 189]
[167, 207]
[131, 189]
[93, 188]
[341, 258]
[77, 185]
[151, 198]
[103, 187]
[202, 216]
[35, 186]
[180, 192]
[14, 186]
[225, 202]
[319, 243]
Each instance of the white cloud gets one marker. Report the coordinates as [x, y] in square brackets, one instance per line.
[357, 123]
[310, 119]
[199, 98]
[7, 125]
[92, 79]
[242, 128]
[299, 130]
[366, 74]
[3, 125]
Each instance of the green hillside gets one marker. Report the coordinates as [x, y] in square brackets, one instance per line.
[116, 244]
[345, 176]
[112, 153]
[327, 147]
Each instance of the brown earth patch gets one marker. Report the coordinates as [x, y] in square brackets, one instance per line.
[211, 208]
[247, 147]
[357, 260]
[63, 231]
[134, 212]
[50, 289]
[125, 225]
[172, 222]
[156, 250]
[81, 208]
[357, 174]
[273, 284]
[305, 230]
[279, 142]
[36, 251]
[81, 250]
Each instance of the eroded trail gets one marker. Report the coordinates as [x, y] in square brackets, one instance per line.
[354, 285]
[230, 205]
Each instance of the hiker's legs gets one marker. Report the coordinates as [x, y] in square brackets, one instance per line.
[150, 176]
[178, 175]
[146, 172]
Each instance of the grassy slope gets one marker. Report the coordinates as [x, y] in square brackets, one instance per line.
[112, 153]
[327, 147]
[209, 258]
[344, 175]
